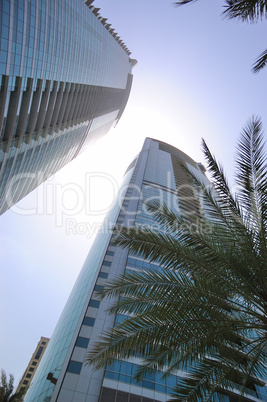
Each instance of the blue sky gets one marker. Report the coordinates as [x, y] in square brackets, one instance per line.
[193, 79]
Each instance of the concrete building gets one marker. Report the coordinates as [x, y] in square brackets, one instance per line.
[33, 364]
[65, 78]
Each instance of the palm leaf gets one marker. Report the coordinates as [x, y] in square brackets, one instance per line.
[246, 10]
[183, 2]
[251, 171]
[260, 63]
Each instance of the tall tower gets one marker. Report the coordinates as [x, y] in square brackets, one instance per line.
[62, 374]
[65, 78]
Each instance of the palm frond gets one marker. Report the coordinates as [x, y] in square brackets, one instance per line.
[183, 2]
[260, 62]
[246, 10]
[219, 181]
[251, 172]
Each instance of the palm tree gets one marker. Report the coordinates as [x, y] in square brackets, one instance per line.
[205, 310]
[7, 389]
[245, 10]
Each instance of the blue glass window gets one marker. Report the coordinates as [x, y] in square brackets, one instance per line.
[125, 378]
[148, 384]
[110, 253]
[3, 59]
[125, 372]
[126, 368]
[74, 367]
[103, 275]
[89, 321]
[99, 288]
[120, 318]
[5, 31]
[107, 263]
[5, 19]
[4, 44]
[160, 388]
[82, 342]
[114, 366]
[113, 376]
[171, 381]
[94, 303]
[39, 352]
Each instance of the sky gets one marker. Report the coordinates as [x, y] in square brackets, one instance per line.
[193, 80]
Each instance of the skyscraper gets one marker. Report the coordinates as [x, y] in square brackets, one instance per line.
[65, 79]
[63, 375]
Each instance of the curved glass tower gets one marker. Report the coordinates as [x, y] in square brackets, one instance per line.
[65, 78]
[63, 375]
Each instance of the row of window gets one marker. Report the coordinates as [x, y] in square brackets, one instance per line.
[65, 32]
[82, 342]
[125, 371]
[113, 395]
[141, 264]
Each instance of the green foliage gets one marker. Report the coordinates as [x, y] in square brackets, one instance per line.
[205, 309]
[244, 10]
[7, 389]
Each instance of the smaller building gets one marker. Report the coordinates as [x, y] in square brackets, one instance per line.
[33, 364]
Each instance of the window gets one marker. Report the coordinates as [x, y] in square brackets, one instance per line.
[110, 253]
[28, 375]
[103, 275]
[82, 342]
[31, 369]
[34, 363]
[25, 382]
[43, 343]
[94, 303]
[39, 352]
[124, 372]
[89, 321]
[74, 367]
[99, 288]
[120, 318]
[107, 263]
[148, 384]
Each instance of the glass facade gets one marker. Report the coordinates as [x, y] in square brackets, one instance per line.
[65, 80]
[84, 317]
[155, 174]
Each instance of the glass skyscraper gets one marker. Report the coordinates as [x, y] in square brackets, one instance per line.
[65, 78]
[63, 375]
